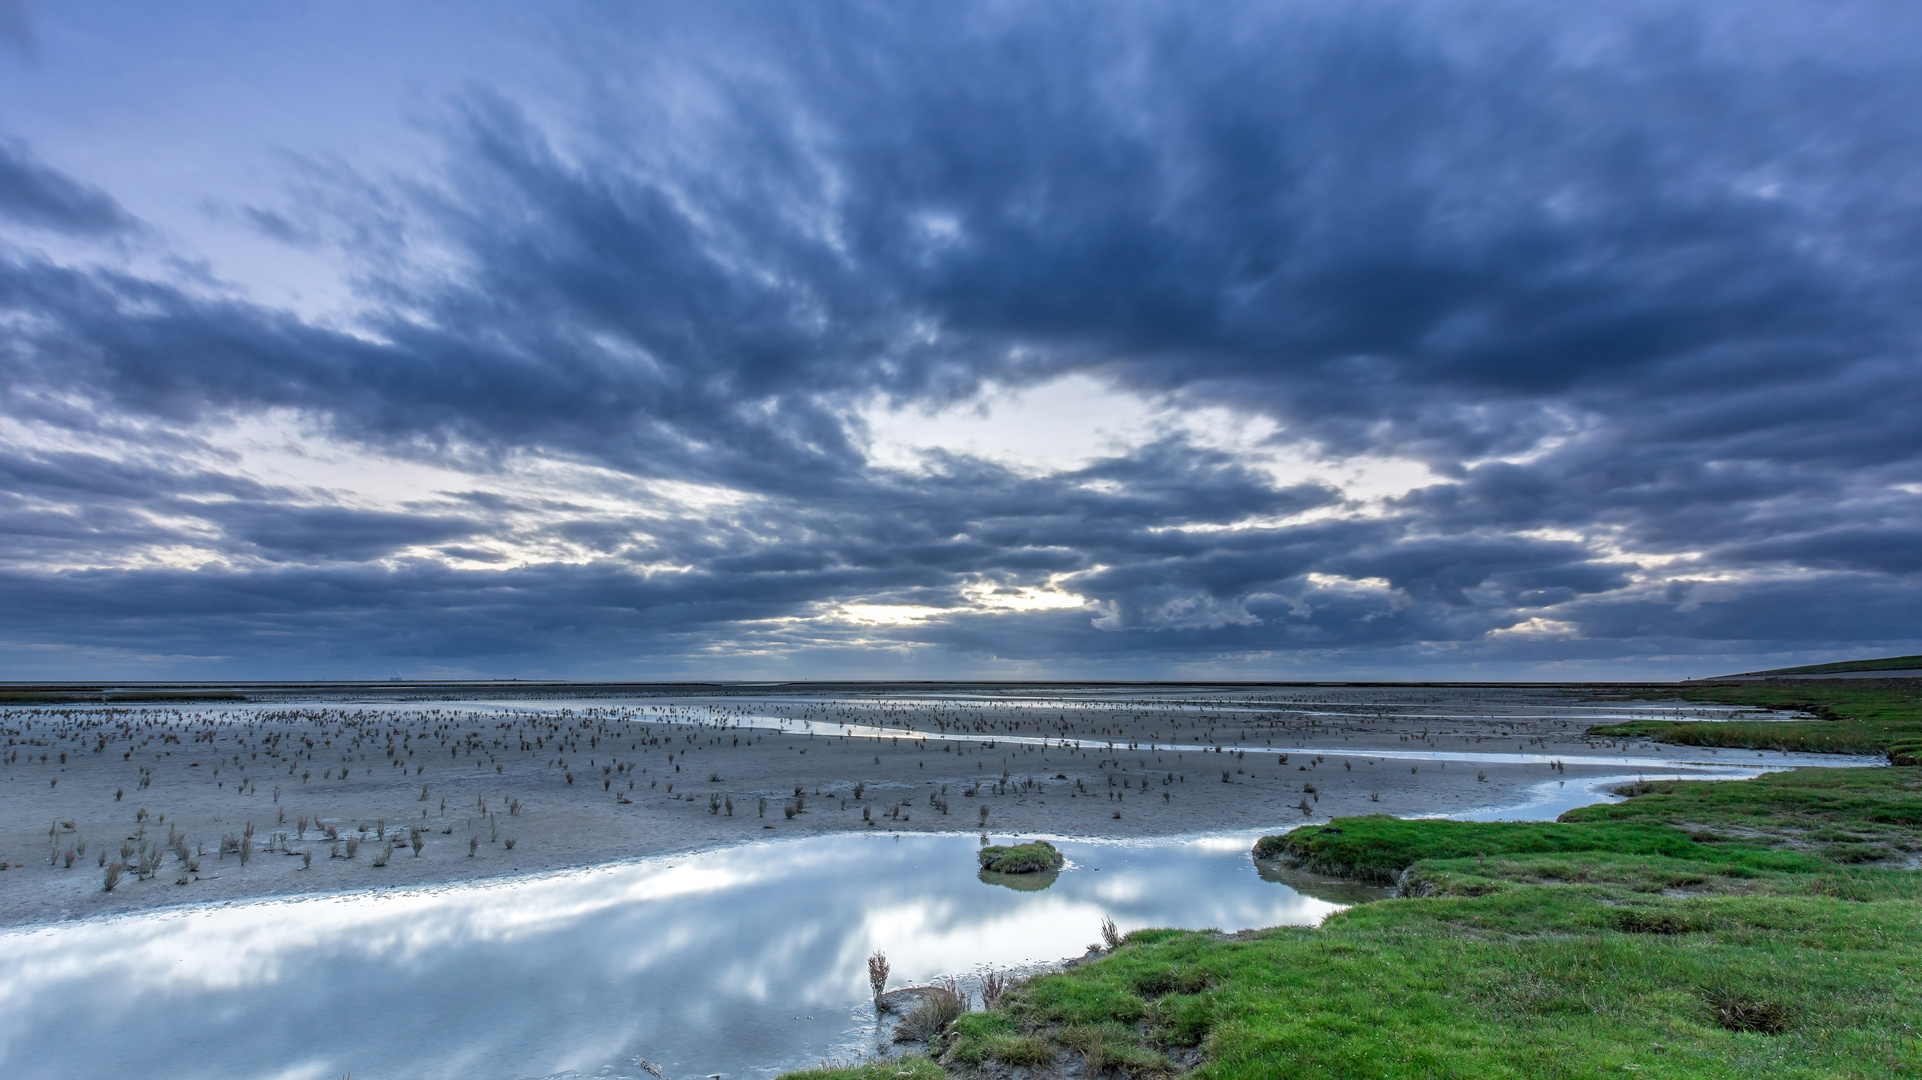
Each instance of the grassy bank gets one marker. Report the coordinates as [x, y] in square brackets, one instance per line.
[1766, 927]
[1857, 717]
[1755, 928]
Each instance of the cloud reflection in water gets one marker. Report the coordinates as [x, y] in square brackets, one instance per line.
[738, 961]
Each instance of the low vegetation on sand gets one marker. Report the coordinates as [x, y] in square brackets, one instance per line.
[1036, 857]
[1865, 716]
[1764, 927]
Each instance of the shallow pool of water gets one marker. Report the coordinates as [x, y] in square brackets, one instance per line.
[739, 962]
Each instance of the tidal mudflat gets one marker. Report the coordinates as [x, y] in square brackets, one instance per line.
[294, 792]
[690, 878]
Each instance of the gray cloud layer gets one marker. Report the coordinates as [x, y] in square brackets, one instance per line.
[1639, 285]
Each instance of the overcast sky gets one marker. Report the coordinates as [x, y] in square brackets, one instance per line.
[1114, 340]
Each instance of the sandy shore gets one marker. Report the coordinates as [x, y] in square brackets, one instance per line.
[579, 782]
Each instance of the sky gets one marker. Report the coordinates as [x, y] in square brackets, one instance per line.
[1113, 340]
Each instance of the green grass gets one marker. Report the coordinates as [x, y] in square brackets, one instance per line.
[1628, 939]
[1802, 821]
[1858, 717]
[1534, 982]
[1036, 857]
[1380, 848]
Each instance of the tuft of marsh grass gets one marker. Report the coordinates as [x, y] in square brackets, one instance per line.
[993, 985]
[878, 975]
[939, 1007]
[908, 1067]
[1738, 1011]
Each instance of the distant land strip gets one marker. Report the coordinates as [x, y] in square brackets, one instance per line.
[1840, 667]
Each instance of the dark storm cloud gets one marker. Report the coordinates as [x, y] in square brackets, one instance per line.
[59, 504]
[1638, 282]
[333, 532]
[36, 194]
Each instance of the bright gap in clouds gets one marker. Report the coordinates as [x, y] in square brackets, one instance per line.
[533, 498]
[1072, 422]
[523, 505]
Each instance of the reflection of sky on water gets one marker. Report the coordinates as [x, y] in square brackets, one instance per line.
[736, 961]
[1551, 799]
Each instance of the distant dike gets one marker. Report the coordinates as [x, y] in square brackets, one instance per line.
[1887, 667]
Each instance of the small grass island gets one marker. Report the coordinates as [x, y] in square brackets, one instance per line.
[1034, 857]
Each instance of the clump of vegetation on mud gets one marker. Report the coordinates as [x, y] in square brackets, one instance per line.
[1035, 857]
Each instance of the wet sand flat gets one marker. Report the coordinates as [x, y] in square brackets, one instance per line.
[576, 780]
